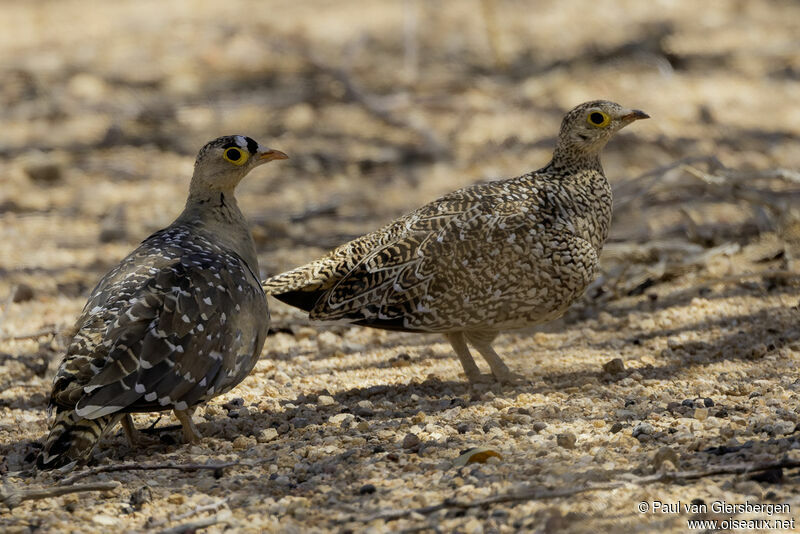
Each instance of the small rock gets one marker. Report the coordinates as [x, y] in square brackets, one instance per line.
[362, 426]
[328, 343]
[616, 427]
[243, 442]
[756, 352]
[364, 408]
[401, 360]
[538, 426]
[140, 496]
[566, 440]
[642, 429]
[709, 403]
[176, 498]
[43, 171]
[282, 378]
[410, 441]
[106, 520]
[689, 403]
[665, 454]
[701, 414]
[268, 434]
[366, 489]
[341, 418]
[234, 404]
[326, 400]
[783, 427]
[304, 332]
[22, 293]
[614, 367]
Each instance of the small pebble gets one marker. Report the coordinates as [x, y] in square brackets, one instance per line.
[326, 400]
[701, 414]
[366, 489]
[22, 293]
[328, 343]
[566, 440]
[43, 172]
[410, 441]
[266, 435]
[614, 367]
[616, 427]
[642, 429]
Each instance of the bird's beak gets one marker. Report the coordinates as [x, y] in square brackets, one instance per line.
[635, 115]
[269, 155]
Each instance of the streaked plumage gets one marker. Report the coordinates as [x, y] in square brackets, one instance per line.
[480, 260]
[179, 321]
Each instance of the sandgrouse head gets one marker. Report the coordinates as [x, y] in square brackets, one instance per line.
[587, 128]
[222, 163]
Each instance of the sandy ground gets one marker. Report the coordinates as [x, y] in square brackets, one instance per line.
[383, 106]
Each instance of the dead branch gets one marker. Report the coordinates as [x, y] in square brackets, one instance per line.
[632, 190]
[354, 93]
[144, 467]
[13, 497]
[194, 526]
[41, 333]
[213, 507]
[531, 493]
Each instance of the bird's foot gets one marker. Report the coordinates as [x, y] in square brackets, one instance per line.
[136, 439]
[480, 378]
[188, 428]
[507, 378]
[510, 378]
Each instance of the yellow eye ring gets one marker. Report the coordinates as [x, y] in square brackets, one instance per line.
[235, 155]
[598, 119]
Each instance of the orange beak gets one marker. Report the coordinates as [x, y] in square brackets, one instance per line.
[269, 155]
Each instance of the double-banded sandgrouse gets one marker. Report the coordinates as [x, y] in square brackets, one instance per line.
[483, 259]
[180, 320]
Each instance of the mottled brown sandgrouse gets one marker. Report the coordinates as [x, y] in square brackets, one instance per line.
[483, 259]
[180, 320]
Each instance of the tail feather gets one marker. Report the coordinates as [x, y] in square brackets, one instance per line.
[72, 438]
[305, 300]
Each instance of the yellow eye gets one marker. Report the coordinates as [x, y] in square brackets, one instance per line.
[237, 156]
[598, 118]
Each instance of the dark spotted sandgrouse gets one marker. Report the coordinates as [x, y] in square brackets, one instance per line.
[177, 322]
[483, 259]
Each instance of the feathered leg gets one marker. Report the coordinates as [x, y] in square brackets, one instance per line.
[456, 339]
[190, 432]
[482, 341]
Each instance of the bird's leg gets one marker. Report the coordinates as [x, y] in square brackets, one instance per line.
[135, 438]
[190, 432]
[456, 339]
[482, 341]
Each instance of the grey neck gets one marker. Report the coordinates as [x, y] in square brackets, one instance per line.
[217, 214]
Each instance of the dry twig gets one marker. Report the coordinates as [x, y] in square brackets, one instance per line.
[12, 497]
[144, 467]
[193, 526]
[214, 506]
[354, 93]
[41, 333]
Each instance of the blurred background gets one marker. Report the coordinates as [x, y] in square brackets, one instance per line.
[382, 106]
